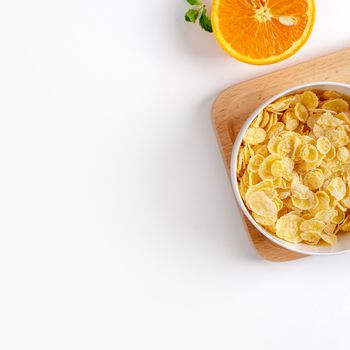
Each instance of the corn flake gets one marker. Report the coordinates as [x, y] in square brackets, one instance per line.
[287, 228]
[301, 112]
[329, 229]
[300, 191]
[275, 129]
[265, 119]
[314, 179]
[338, 138]
[329, 238]
[339, 218]
[309, 153]
[290, 120]
[254, 136]
[326, 215]
[255, 162]
[330, 94]
[304, 204]
[323, 145]
[265, 167]
[338, 105]
[310, 237]
[312, 225]
[343, 154]
[265, 221]
[337, 188]
[309, 99]
[327, 120]
[261, 204]
[262, 149]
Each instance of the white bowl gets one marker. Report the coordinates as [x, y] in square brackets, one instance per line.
[343, 244]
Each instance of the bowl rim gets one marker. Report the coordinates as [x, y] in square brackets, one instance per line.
[233, 166]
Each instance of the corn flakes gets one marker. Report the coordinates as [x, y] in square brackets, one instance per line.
[293, 167]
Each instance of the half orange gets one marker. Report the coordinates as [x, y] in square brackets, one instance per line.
[262, 31]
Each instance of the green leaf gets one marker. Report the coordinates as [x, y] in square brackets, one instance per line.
[205, 21]
[191, 15]
[194, 2]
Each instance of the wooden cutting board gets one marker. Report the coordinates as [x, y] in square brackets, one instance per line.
[234, 105]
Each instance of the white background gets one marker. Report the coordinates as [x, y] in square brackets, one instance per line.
[118, 227]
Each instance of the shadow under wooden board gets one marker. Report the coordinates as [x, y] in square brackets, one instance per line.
[234, 105]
